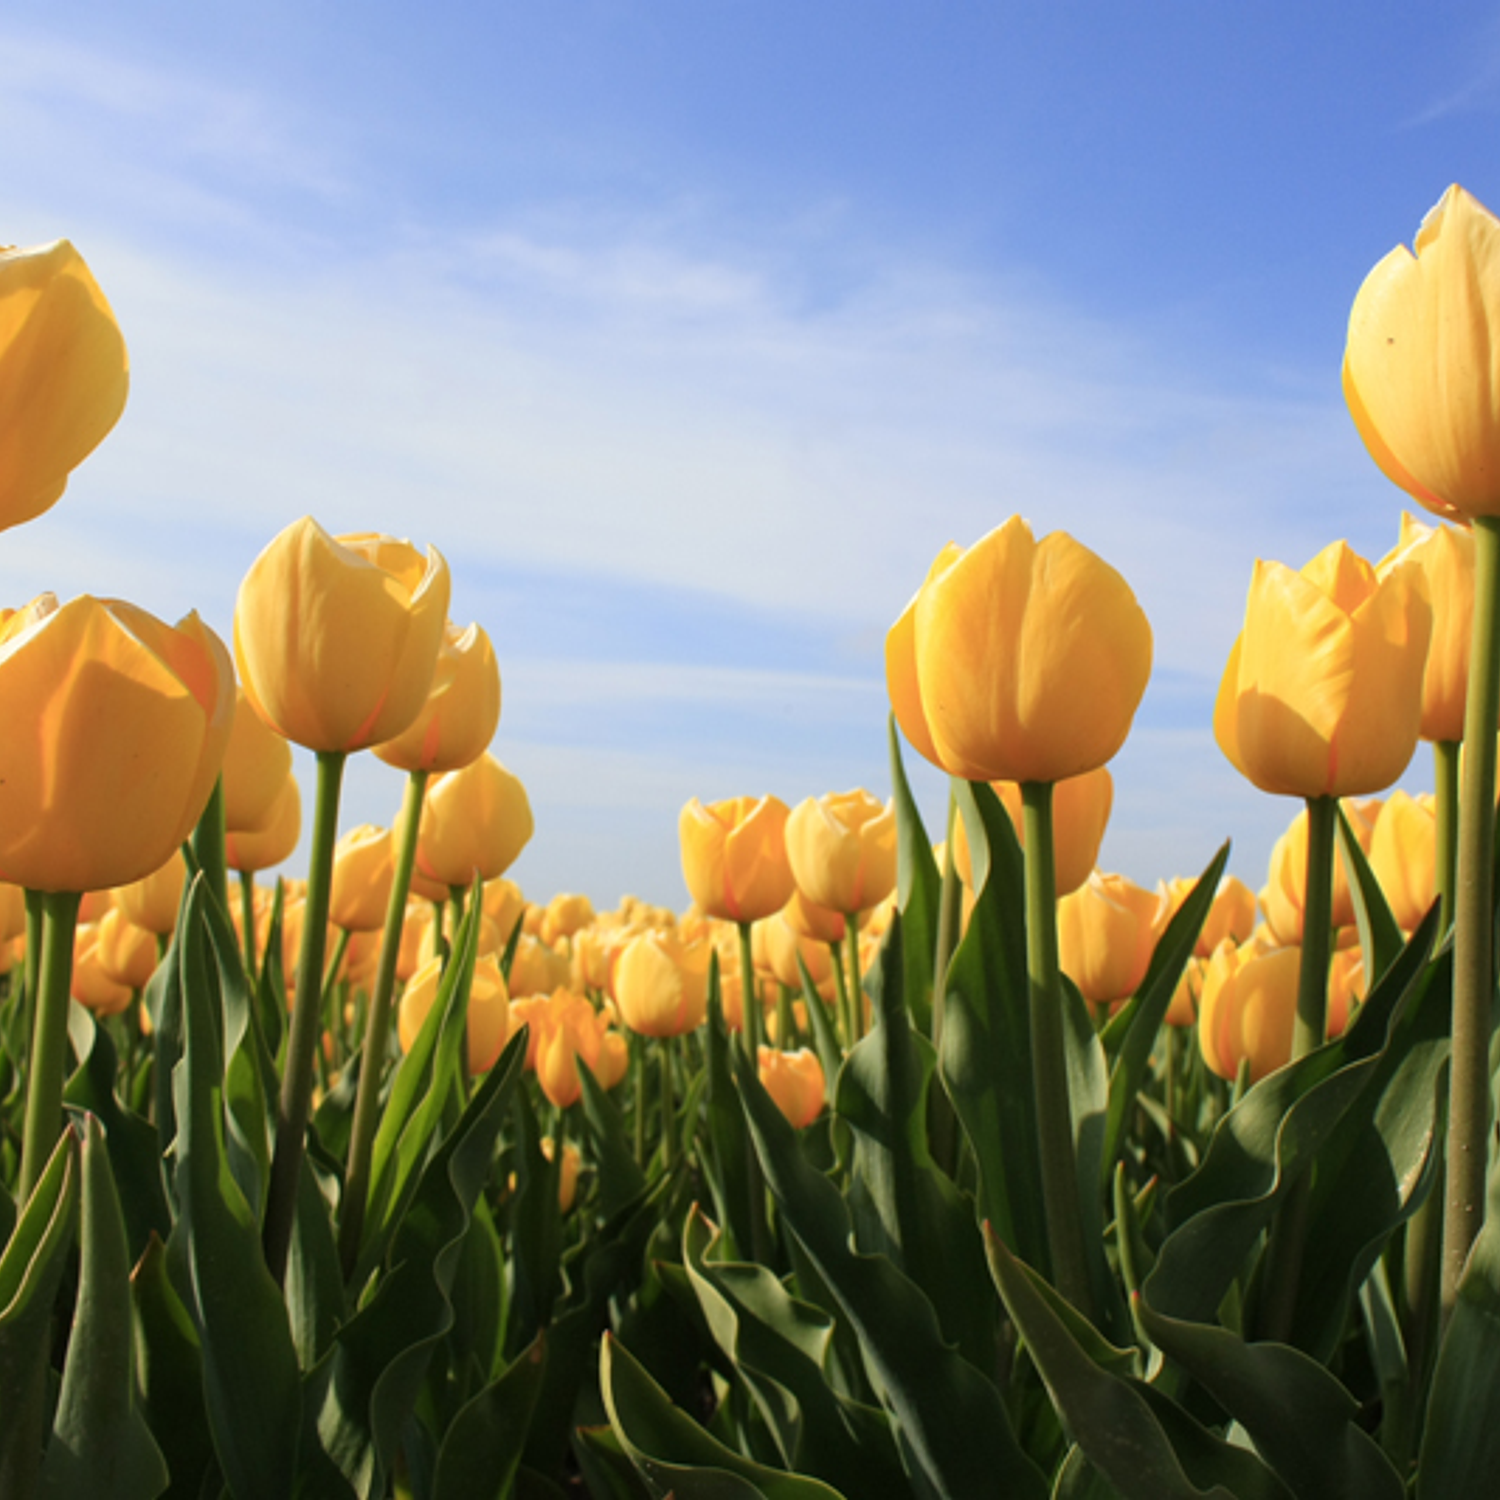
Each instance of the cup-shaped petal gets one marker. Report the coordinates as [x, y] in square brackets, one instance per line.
[362, 878]
[476, 821]
[257, 763]
[842, 850]
[795, 1081]
[1106, 931]
[734, 857]
[661, 984]
[248, 850]
[462, 711]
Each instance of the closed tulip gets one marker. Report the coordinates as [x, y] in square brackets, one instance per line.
[64, 374]
[1231, 914]
[152, 901]
[1019, 660]
[362, 877]
[734, 857]
[1420, 375]
[661, 984]
[249, 850]
[126, 953]
[842, 850]
[1106, 931]
[795, 1081]
[337, 638]
[462, 711]
[92, 986]
[477, 820]
[1445, 554]
[1322, 694]
[487, 1025]
[126, 723]
[257, 763]
[1403, 854]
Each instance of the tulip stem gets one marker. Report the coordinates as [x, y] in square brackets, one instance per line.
[307, 1012]
[1311, 1028]
[856, 989]
[247, 923]
[750, 1026]
[1445, 768]
[668, 1046]
[378, 1027]
[1473, 925]
[1049, 1064]
[49, 1037]
[949, 905]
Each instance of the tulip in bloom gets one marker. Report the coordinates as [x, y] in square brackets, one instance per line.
[126, 953]
[1106, 932]
[661, 984]
[565, 914]
[734, 857]
[1420, 373]
[362, 877]
[795, 1081]
[92, 986]
[126, 723]
[842, 849]
[337, 638]
[152, 901]
[249, 850]
[1019, 660]
[1231, 914]
[462, 711]
[477, 820]
[1403, 854]
[1322, 694]
[487, 1022]
[64, 374]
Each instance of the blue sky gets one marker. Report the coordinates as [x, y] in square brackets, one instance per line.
[690, 332]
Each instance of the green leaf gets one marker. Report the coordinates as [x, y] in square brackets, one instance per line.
[1301, 1419]
[950, 1416]
[1461, 1442]
[986, 1042]
[918, 892]
[901, 1204]
[250, 1374]
[677, 1456]
[1379, 934]
[620, 1176]
[482, 1448]
[31, 1269]
[730, 1154]
[101, 1445]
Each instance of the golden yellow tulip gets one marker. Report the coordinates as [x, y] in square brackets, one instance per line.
[1231, 914]
[842, 850]
[1322, 694]
[250, 849]
[118, 727]
[257, 763]
[1403, 854]
[488, 1020]
[462, 711]
[795, 1081]
[126, 953]
[337, 638]
[64, 374]
[477, 820]
[564, 915]
[1106, 931]
[1421, 375]
[661, 984]
[1019, 660]
[1285, 894]
[734, 857]
[91, 985]
[152, 901]
[362, 878]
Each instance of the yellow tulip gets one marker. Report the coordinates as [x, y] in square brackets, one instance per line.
[152, 901]
[488, 1019]
[462, 711]
[795, 1081]
[564, 915]
[257, 763]
[783, 945]
[477, 820]
[1106, 931]
[734, 857]
[125, 952]
[1445, 555]
[1422, 361]
[1322, 694]
[362, 878]
[118, 725]
[1403, 854]
[842, 850]
[661, 984]
[1019, 660]
[250, 849]
[91, 985]
[64, 374]
[1284, 896]
[1231, 914]
[337, 639]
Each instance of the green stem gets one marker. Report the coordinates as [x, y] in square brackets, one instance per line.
[307, 1008]
[638, 1065]
[786, 1020]
[841, 988]
[950, 904]
[378, 1026]
[668, 1045]
[1445, 766]
[1049, 1067]
[247, 922]
[1473, 924]
[751, 1028]
[856, 989]
[208, 846]
[49, 1037]
[1311, 1029]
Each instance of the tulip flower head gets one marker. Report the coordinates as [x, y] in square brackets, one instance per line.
[488, 1020]
[661, 984]
[337, 638]
[257, 763]
[248, 850]
[64, 374]
[127, 719]
[362, 879]
[476, 821]
[462, 711]
[842, 850]
[1420, 372]
[795, 1081]
[1322, 694]
[1106, 931]
[1019, 660]
[734, 857]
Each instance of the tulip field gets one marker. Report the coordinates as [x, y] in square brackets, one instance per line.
[904, 1162]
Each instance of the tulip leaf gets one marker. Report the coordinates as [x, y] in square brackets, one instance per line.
[730, 1155]
[620, 1176]
[536, 1228]
[949, 1416]
[373, 1374]
[901, 1205]
[676, 1456]
[1461, 1441]
[779, 1347]
[1141, 1020]
[985, 1055]
[825, 1037]
[1260, 1146]
[31, 1270]
[1301, 1419]
[101, 1444]
[918, 891]
[482, 1447]
[250, 1374]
